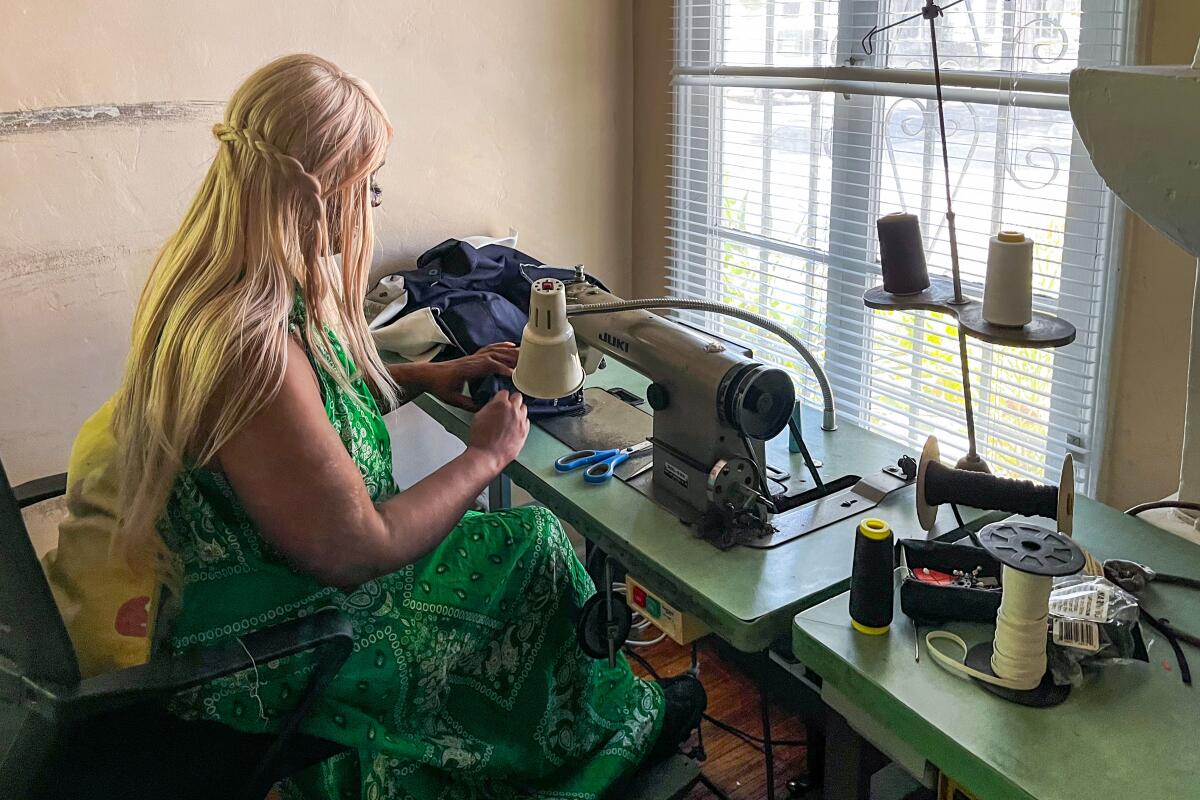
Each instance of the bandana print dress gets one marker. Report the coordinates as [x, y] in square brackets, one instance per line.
[465, 681]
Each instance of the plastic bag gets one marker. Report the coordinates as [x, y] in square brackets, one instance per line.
[1093, 622]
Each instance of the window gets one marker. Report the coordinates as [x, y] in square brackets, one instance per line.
[789, 141]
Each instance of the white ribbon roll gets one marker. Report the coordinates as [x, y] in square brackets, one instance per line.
[1019, 647]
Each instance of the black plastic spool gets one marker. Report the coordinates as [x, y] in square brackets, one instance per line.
[1037, 551]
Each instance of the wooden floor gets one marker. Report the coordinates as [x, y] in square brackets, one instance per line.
[733, 765]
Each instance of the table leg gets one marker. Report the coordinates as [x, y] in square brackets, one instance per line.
[500, 493]
[850, 761]
[765, 701]
[814, 756]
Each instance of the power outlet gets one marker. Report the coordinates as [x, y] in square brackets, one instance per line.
[682, 628]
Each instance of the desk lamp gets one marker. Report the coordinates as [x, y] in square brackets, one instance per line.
[549, 365]
[1141, 126]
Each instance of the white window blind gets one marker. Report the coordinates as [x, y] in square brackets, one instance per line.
[789, 141]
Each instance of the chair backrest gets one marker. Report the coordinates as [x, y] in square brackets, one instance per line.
[32, 636]
[34, 648]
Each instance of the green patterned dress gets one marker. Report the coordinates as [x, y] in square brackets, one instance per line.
[465, 681]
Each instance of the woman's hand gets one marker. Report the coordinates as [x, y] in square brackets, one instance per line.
[500, 428]
[445, 380]
[293, 474]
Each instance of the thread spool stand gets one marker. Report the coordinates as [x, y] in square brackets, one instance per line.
[1045, 331]
[1034, 551]
[947, 296]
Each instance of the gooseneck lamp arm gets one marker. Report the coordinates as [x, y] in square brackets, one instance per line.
[829, 417]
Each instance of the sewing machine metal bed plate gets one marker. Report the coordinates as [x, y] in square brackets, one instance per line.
[609, 422]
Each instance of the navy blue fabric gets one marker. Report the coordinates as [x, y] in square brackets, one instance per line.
[482, 390]
[477, 319]
[481, 296]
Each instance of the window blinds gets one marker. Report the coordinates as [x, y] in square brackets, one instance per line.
[789, 140]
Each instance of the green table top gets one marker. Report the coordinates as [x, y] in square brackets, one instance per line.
[746, 596]
[1128, 732]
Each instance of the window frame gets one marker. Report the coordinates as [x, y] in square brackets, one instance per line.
[695, 224]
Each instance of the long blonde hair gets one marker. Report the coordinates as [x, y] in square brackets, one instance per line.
[289, 182]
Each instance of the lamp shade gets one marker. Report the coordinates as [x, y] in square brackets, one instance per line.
[1140, 125]
[548, 366]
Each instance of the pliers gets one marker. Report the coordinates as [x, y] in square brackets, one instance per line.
[1133, 578]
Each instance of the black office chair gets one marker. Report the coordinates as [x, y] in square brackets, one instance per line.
[111, 736]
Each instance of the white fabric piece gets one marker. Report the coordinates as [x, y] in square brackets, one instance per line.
[483, 241]
[387, 292]
[417, 336]
[414, 431]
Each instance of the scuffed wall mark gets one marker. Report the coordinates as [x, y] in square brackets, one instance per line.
[67, 117]
[55, 118]
[22, 272]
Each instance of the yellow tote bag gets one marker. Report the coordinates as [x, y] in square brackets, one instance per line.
[108, 609]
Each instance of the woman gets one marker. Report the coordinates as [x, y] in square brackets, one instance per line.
[256, 477]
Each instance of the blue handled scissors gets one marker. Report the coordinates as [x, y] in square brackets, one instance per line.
[600, 463]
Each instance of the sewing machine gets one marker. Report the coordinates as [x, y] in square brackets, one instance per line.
[714, 408]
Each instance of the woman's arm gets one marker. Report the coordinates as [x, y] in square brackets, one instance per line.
[444, 380]
[293, 475]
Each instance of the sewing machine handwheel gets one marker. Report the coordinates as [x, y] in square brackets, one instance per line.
[1031, 548]
[592, 629]
[757, 400]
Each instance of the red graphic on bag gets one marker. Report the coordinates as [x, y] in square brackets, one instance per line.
[133, 617]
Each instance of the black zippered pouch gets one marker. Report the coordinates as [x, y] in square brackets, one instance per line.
[927, 602]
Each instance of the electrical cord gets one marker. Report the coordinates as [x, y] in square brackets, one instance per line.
[640, 659]
[1169, 633]
[623, 590]
[748, 739]
[646, 643]
[1142, 507]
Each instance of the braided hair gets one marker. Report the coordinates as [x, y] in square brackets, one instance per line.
[289, 166]
[286, 191]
